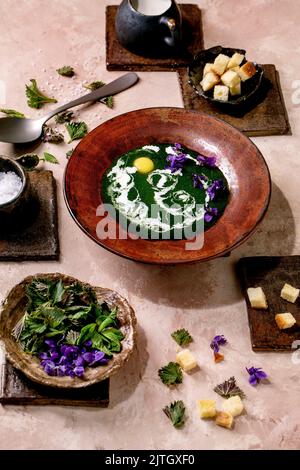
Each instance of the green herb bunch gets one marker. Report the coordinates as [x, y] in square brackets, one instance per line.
[67, 312]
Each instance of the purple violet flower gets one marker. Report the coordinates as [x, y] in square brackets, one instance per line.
[70, 360]
[256, 375]
[216, 186]
[207, 161]
[175, 162]
[210, 213]
[218, 341]
[199, 180]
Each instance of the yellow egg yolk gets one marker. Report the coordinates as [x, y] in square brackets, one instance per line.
[144, 165]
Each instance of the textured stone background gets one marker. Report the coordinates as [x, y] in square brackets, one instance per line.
[38, 36]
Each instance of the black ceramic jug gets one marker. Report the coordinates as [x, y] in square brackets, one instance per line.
[143, 27]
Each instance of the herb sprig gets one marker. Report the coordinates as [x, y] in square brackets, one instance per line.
[12, 113]
[66, 71]
[67, 313]
[176, 413]
[171, 374]
[35, 98]
[182, 337]
[76, 130]
[108, 101]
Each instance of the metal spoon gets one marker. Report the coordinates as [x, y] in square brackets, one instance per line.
[18, 131]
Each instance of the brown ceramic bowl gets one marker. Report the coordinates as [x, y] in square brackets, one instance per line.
[239, 159]
[12, 311]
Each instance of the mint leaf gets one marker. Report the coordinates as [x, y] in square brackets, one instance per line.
[66, 71]
[76, 130]
[35, 98]
[50, 158]
[171, 374]
[182, 337]
[12, 113]
[176, 413]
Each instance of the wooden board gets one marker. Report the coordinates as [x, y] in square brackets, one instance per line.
[34, 235]
[16, 389]
[267, 115]
[271, 273]
[118, 58]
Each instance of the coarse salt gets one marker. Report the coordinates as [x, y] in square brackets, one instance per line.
[10, 186]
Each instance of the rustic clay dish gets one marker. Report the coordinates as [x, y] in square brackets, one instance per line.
[249, 88]
[238, 158]
[13, 309]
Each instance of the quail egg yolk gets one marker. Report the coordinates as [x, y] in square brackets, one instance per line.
[144, 165]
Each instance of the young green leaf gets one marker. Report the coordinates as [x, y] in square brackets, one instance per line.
[35, 98]
[76, 130]
[176, 413]
[58, 291]
[66, 71]
[182, 337]
[50, 158]
[108, 101]
[171, 374]
[12, 113]
[62, 118]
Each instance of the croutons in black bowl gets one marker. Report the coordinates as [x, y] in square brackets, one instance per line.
[251, 73]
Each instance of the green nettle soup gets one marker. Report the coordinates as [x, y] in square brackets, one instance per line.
[165, 191]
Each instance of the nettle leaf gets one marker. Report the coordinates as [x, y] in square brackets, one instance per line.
[76, 130]
[35, 98]
[12, 113]
[64, 117]
[57, 292]
[72, 337]
[176, 413]
[108, 101]
[66, 71]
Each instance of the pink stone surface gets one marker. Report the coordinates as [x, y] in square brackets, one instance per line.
[37, 37]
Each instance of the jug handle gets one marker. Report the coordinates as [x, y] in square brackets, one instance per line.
[174, 29]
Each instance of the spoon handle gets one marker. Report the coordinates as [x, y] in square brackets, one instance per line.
[118, 85]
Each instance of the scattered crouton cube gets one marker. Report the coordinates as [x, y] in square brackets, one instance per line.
[209, 81]
[235, 60]
[221, 93]
[247, 71]
[207, 408]
[236, 90]
[208, 68]
[257, 298]
[224, 419]
[230, 78]
[285, 320]
[220, 64]
[289, 293]
[186, 360]
[235, 69]
[233, 406]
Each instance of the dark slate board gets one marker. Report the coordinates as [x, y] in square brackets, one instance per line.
[118, 58]
[271, 273]
[16, 389]
[34, 235]
[266, 115]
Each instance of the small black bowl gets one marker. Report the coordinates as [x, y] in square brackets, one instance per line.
[195, 72]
